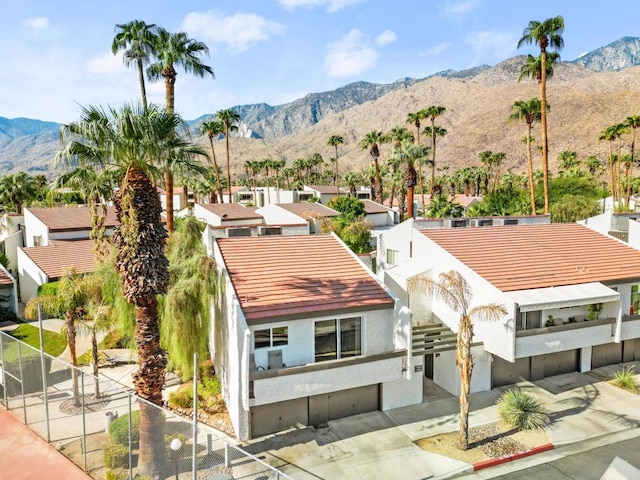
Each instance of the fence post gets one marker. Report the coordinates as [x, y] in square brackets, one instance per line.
[209, 444]
[44, 374]
[130, 454]
[24, 401]
[194, 453]
[226, 455]
[4, 372]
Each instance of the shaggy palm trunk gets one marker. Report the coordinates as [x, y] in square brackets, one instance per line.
[215, 165]
[410, 183]
[377, 180]
[71, 340]
[226, 138]
[543, 122]
[169, 75]
[143, 268]
[465, 365]
[143, 90]
[532, 190]
[433, 158]
[168, 186]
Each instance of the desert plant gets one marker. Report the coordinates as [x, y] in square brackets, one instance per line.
[119, 429]
[626, 379]
[116, 456]
[181, 399]
[520, 410]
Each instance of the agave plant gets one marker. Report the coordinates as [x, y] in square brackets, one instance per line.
[520, 410]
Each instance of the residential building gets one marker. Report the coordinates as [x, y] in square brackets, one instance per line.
[311, 213]
[305, 334]
[324, 193]
[571, 294]
[8, 291]
[11, 237]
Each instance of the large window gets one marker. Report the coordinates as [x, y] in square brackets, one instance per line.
[338, 338]
[271, 337]
[392, 257]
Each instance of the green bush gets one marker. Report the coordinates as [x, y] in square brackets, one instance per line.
[626, 379]
[119, 430]
[116, 456]
[520, 410]
[48, 289]
[181, 398]
[210, 387]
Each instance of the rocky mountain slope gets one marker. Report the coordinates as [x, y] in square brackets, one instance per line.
[583, 103]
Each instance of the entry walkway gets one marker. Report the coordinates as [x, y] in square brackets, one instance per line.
[25, 456]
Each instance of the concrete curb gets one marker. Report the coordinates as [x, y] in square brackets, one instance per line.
[498, 461]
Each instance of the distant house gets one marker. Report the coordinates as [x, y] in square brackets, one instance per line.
[8, 291]
[227, 214]
[306, 334]
[180, 198]
[40, 265]
[11, 237]
[465, 201]
[323, 192]
[311, 213]
[42, 225]
[379, 215]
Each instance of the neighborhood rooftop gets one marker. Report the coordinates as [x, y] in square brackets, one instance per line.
[537, 256]
[308, 209]
[4, 279]
[231, 211]
[287, 276]
[55, 258]
[71, 218]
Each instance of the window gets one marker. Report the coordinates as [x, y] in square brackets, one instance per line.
[37, 240]
[338, 338]
[392, 257]
[271, 337]
[459, 223]
[511, 221]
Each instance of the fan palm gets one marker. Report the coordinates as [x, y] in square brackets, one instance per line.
[230, 120]
[212, 129]
[372, 142]
[455, 292]
[17, 189]
[545, 34]
[334, 141]
[432, 113]
[408, 154]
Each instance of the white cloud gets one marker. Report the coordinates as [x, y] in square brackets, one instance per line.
[435, 50]
[37, 23]
[332, 5]
[350, 55]
[386, 37]
[105, 65]
[238, 32]
[491, 45]
[460, 8]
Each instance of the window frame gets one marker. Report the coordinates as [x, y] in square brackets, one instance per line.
[338, 333]
[272, 343]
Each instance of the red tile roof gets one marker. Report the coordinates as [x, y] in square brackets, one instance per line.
[54, 259]
[521, 257]
[231, 211]
[4, 279]
[298, 275]
[371, 207]
[71, 218]
[308, 210]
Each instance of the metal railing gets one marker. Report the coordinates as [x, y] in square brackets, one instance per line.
[96, 425]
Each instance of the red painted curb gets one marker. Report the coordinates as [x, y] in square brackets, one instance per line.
[498, 461]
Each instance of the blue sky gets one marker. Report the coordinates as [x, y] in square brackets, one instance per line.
[56, 54]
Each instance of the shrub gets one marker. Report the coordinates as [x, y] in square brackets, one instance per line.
[626, 379]
[48, 289]
[520, 410]
[116, 456]
[119, 429]
[117, 474]
[181, 398]
[210, 387]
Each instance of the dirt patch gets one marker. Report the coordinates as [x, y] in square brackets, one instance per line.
[493, 440]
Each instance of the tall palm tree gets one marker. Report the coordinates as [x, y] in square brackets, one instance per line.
[277, 166]
[529, 111]
[545, 34]
[409, 154]
[212, 129]
[254, 167]
[633, 122]
[432, 113]
[17, 189]
[568, 160]
[372, 141]
[397, 135]
[532, 67]
[137, 39]
[230, 120]
[415, 118]
[334, 141]
[593, 165]
[125, 140]
[171, 50]
[455, 292]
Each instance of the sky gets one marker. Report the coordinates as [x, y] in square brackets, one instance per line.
[56, 55]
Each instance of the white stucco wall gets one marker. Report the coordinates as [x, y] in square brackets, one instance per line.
[630, 330]
[447, 374]
[600, 223]
[30, 276]
[11, 244]
[559, 341]
[34, 228]
[275, 215]
[10, 291]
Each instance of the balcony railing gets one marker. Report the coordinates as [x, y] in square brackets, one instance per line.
[568, 326]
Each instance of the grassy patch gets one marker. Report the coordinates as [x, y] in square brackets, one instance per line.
[54, 343]
[626, 379]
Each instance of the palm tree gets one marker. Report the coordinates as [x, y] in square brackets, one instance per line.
[568, 160]
[352, 179]
[137, 39]
[17, 189]
[532, 67]
[265, 165]
[277, 166]
[594, 165]
[334, 141]
[529, 111]
[545, 34]
[212, 129]
[415, 118]
[254, 167]
[171, 50]
[125, 140]
[397, 135]
[230, 120]
[633, 122]
[372, 141]
[454, 291]
[409, 154]
[431, 113]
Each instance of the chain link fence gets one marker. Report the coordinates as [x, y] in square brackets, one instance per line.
[95, 422]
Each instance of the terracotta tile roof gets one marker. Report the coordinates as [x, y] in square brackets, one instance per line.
[535, 256]
[459, 198]
[309, 209]
[4, 279]
[231, 211]
[71, 218]
[328, 189]
[58, 255]
[298, 275]
[371, 207]
[176, 190]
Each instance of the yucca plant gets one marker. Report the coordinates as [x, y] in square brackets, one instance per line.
[626, 379]
[520, 410]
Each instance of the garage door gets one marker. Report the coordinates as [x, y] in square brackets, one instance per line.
[561, 362]
[507, 373]
[275, 417]
[607, 354]
[331, 406]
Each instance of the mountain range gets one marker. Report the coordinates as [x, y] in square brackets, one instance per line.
[586, 95]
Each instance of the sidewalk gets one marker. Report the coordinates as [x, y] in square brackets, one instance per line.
[586, 412]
